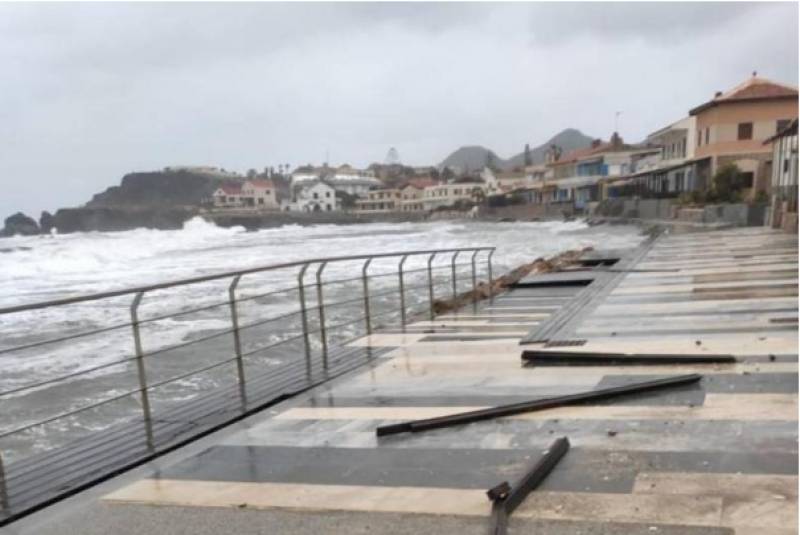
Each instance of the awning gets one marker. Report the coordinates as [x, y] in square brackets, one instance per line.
[577, 182]
[621, 182]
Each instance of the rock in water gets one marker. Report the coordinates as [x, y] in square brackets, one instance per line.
[19, 223]
[46, 222]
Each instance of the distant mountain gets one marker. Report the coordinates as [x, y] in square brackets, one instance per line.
[569, 139]
[471, 158]
[474, 157]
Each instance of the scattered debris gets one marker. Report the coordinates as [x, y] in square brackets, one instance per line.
[537, 357]
[506, 498]
[415, 426]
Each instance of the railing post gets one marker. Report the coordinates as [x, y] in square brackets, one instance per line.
[137, 343]
[430, 284]
[489, 266]
[453, 271]
[321, 308]
[304, 316]
[366, 295]
[237, 341]
[402, 292]
[474, 276]
[3, 489]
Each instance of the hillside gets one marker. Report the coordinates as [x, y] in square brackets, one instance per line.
[473, 157]
[470, 158]
[569, 139]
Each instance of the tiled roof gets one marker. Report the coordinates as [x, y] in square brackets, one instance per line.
[753, 88]
[421, 183]
[231, 189]
[261, 183]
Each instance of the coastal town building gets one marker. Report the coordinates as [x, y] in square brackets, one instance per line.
[666, 173]
[412, 198]
[784, 183]
[345, 179]
[228, 196]
[581, 175]
[379, 201]
[732, 127]
[254, 194]
[448, 195]
[311, 196]
[260, 194]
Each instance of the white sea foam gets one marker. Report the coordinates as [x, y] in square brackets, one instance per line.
[47, 267]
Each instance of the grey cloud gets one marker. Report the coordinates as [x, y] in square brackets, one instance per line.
[93, 90]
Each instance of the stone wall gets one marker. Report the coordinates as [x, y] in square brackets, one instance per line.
[737, 214]
[526, 212]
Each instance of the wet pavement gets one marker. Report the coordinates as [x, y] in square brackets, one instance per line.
[717, 457]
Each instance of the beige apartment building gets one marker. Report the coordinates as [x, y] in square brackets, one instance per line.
[411, 198]
[732, 128]
[379, 201]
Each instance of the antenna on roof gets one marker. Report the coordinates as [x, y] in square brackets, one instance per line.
[616, 120]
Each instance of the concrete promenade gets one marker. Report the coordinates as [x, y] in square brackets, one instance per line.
[717, 457]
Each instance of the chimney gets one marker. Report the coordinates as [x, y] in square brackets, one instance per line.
[718, 94]
[616, 141]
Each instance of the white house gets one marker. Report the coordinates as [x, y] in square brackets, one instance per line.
[345, 179]
[228, 196]
[311, 196]
[260, 194]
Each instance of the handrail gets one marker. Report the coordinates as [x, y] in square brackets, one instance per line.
[309, 334]
[223, 275]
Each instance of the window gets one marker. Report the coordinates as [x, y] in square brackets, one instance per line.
[328, 194]
[782, 124]
[747, 180]
[328, 207]
[316, 195]
[745, 131]
[708, 134]
[786, 165]
[260, 200]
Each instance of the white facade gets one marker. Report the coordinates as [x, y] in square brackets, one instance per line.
[677, 142]
[353, 184]
[228, 197]
[312, 197]
[349, 181]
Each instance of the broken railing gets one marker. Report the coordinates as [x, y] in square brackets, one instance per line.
[96, 383]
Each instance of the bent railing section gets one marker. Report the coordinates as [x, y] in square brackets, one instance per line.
[124, 375]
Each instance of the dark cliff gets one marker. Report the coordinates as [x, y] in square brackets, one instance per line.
[157, 189]
[115, 218]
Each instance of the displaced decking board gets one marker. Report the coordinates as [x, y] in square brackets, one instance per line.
[718, 457]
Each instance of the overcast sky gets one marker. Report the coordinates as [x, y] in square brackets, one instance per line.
[92, 91]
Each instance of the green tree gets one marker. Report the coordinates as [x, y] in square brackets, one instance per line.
[728, 183]
[528, 158]
[447, 174]
[490, 162]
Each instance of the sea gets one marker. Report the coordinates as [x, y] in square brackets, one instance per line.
[99, 367]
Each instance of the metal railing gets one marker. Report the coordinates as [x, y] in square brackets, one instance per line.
[300, 346]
